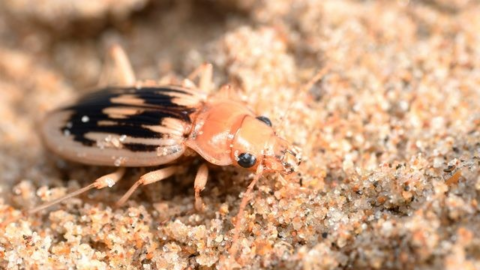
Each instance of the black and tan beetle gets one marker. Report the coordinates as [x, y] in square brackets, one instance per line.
[149, 125]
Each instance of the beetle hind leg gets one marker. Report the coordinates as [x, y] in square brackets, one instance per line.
[105, 181]
[117, 70]
[205, 75]
[148, 178]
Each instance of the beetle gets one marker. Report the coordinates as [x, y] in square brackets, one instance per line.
[150, 125]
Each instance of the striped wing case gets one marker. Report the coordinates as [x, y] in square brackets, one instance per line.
[124, 126]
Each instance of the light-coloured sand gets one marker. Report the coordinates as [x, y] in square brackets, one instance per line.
[390, 134]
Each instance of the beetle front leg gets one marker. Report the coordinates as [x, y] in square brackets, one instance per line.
[200, 182]
[147, 179]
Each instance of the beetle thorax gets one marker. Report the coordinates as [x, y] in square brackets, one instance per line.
[214, 130]
[227, 133]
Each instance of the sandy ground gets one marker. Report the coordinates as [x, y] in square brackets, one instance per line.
[390, 134]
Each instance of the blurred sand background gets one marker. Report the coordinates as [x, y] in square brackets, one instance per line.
[390, 134]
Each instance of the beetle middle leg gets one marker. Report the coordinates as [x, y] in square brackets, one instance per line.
[105, 181]
[147, 179]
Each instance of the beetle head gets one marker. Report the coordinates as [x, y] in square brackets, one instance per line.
[256, 143]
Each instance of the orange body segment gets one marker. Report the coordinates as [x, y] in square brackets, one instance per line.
[214, 128]
[227, 132]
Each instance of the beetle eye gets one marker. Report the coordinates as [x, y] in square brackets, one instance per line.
[246, 160]
[265, 120]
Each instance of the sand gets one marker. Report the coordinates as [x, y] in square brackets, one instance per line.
[390, 135]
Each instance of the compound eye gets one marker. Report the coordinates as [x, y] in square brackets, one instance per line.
[246, 160]
[265, 120]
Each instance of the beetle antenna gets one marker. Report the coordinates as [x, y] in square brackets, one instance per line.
[243, 204]
[304, 90]
[316, 78]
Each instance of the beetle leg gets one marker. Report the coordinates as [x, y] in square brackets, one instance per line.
[318, 76]
[117, 70]
[239, 218]
[227, 91]
[105, 181]
[148, 178]
[200, 182]
[205, 74]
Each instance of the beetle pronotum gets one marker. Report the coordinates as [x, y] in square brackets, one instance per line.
[135, 125]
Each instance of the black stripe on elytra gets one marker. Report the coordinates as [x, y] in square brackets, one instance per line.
[138, 147]
[88, 112]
